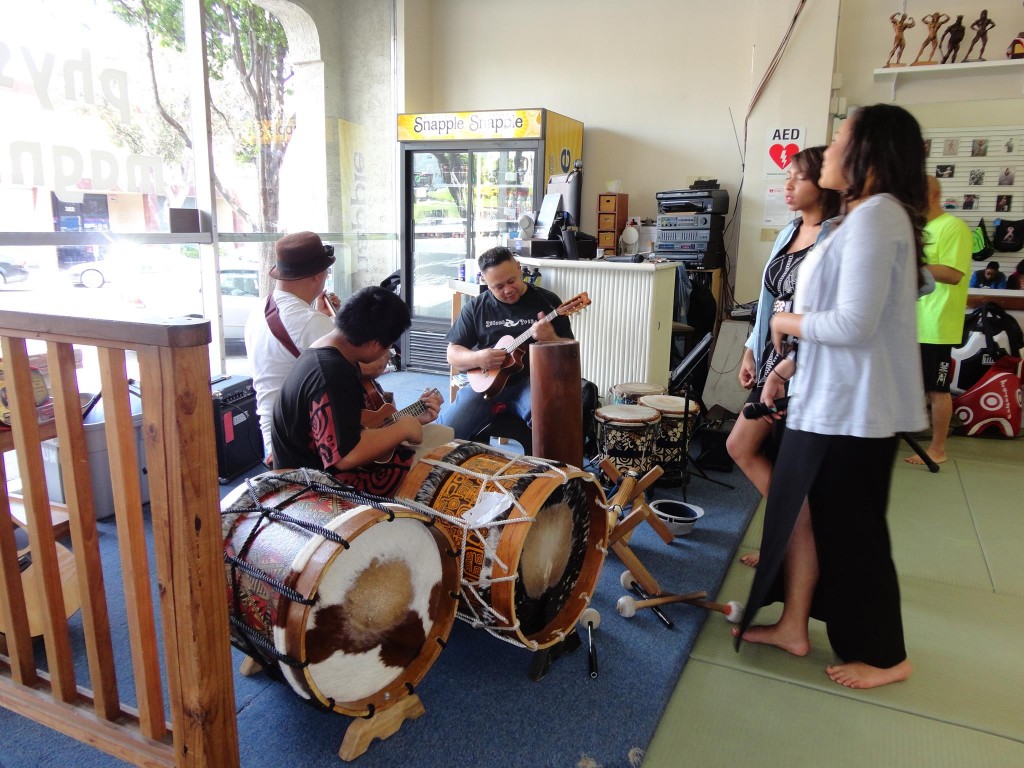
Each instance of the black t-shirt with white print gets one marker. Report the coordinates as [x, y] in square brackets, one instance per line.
[485, 320]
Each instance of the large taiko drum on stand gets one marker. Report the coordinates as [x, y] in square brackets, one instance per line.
[349, 600]
[678, 421]
[631, 392]
[533, 535]
[627, 435]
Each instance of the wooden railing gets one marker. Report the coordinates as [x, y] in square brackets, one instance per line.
[178, 435]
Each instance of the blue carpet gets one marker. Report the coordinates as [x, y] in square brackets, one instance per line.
[482, 709]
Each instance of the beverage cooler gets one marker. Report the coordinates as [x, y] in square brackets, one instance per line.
[466, 179]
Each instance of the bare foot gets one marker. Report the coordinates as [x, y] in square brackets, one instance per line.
[794, 642]
[938, 458]
[857, 674]
[751, 559]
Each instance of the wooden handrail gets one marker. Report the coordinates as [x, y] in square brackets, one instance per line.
[178, 437]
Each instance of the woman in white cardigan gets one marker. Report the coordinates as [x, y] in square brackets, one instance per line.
[857, 384]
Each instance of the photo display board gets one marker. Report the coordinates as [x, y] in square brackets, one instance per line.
[981, 171]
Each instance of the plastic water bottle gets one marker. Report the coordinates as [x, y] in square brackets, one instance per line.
[462, 272]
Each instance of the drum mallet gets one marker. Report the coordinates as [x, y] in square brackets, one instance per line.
[627, 606]
[627, 580]
[591, 619]
[733, 611]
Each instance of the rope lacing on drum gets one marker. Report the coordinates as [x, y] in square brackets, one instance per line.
[261, 575]
[264, 644]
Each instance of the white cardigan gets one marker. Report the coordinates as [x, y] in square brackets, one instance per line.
[858, 364]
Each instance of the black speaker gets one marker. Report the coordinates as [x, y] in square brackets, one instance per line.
[239, 439]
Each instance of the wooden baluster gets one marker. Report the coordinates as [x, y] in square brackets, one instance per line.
[82, 523]
[124, 478]
[25, 430]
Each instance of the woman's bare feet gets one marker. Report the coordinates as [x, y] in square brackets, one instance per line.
[790, 640]
[751, 559]
[857, 674]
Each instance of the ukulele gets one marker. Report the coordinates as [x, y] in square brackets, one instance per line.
[491, 382]
[387, 415]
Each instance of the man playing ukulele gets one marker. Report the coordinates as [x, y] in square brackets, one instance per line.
[318, 416]
[508, 308]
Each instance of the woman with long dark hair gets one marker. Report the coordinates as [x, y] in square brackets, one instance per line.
[857, 385]
[748, 442]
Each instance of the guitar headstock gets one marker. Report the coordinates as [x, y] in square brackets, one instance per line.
[575, 304]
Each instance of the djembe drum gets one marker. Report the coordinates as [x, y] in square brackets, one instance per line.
[627, 435]
[349, 600]
[533, 534]
[678, 422]
[631, 392]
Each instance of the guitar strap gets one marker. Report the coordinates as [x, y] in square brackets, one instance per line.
[277, 327]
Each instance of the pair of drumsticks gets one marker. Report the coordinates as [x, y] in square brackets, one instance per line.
[628, 606]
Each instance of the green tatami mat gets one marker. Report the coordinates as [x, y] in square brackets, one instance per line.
[933, 533]
[994, 497]
[965, 646]
[724, 717]
[752, 536]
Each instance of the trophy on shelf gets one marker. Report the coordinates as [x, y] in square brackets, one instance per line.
[900, 24]
[955, 32]
[934, 21]
[981, 26]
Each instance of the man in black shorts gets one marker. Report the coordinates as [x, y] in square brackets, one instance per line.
[507, 308]
[940, 314]
[317, 416]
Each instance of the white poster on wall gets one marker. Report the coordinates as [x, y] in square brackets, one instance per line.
[776, 213]
[783, 142]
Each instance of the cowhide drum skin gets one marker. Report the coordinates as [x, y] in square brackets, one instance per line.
[532, 571]
[365, 595]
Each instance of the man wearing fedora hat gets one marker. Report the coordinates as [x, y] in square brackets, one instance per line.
[295, 315]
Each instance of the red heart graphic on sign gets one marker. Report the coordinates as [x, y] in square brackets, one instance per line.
[783, 154]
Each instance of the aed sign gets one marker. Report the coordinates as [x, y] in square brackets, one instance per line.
[782, 144]
[492, 124]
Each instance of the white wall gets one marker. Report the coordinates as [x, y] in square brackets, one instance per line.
[653, 83]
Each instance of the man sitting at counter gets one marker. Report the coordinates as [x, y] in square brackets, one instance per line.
[508, 308]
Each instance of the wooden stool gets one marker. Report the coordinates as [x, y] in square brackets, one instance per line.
[631, 493]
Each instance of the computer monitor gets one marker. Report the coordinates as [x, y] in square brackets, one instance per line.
[570, 187]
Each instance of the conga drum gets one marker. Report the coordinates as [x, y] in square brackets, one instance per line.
[349, 600]
[627, 435]
[533, 535]
[631, 392]
[678, 421]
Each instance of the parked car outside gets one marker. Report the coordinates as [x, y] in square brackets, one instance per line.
[89, 274]
[239, 295]
[12, 273]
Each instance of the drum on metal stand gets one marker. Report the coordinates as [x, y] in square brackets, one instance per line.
[349, 600]
[678, 422]
[627, 435]
[533, 536]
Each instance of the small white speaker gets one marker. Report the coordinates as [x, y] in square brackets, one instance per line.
[526, 226]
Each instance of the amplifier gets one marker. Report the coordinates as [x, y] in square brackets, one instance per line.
[691, 221]
[689, 246]
[694, 259]
[236, 425]
[693, 201]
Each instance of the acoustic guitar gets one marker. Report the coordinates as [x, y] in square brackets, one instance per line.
[491, 382]
[387, 415]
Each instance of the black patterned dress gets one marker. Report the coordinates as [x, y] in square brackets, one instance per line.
[780, 282]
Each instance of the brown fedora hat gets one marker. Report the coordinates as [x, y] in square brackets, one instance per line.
[301, 254]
